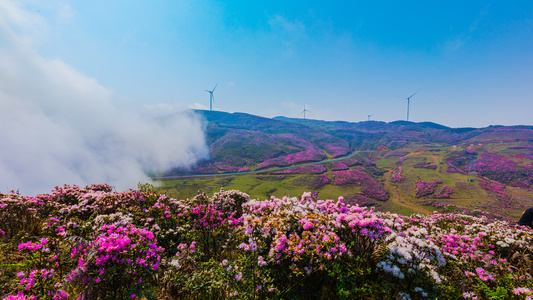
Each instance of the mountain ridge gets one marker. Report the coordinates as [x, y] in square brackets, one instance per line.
[241, 141]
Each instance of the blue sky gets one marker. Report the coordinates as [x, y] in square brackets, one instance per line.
[472, 60]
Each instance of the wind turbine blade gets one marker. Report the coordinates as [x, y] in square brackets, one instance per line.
[208, 91]
[214, 87]
[414, 94]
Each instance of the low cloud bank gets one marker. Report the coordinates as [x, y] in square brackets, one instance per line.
[58, 126]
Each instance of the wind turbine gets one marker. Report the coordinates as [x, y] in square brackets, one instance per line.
[408, 100]
[211, 97]
[303, 112]
[369, 117]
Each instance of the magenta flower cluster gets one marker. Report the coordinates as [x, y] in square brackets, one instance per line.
[454, 169]
[423, 189]
[400, 160]
[498, 191]
[370, 187]
[337, 150]
[309, 155]
[94, 243]
[396, 175]
[444, 192]
[504, 170]
[320, 181]
[226, 168]
[123, 251]
[338, 166]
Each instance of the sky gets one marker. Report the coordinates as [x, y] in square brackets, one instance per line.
[471, 60]
[81, 80]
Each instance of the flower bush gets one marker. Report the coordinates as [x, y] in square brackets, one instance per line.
[426, 188]
[338, 166]
[370, 187]
[320, 181]
[444, 192]
[396, 175]
[501, 169]
[400, 160]
[309, 155]
[226, 168]
[93, 243]
[460, 162]
[337, 150]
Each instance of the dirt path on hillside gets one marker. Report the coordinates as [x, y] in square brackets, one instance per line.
[397, 198]
[435, 159]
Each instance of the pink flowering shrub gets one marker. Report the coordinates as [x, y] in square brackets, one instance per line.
[40, 278]
[370, 187]
[320, 181]
[226, 168]
[444, 192]
[460, 162]
[338, 166]
[359, 199]
[307, 237]
[501, 169]
[498, 191]
[337, 150]
[350, 162]
[309, 155]
[396, 175]
[400, 160]
[119, 263]
[244, 169]
[426, 188]
[454, 169]
[92, 243]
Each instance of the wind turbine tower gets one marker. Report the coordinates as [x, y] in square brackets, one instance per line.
[409, 100]
[303, 112]
[211, 97]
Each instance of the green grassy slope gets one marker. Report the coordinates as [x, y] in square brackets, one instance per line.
[468, 191]
[240, 142]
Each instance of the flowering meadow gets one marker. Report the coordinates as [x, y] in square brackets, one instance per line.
[308, 155]
[493, 166]
[370, 186]
[94, 243]
[504, 170]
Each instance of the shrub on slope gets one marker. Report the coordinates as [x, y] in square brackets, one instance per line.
[94, 243]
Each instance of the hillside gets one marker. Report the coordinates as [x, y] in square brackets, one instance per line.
[399, 166]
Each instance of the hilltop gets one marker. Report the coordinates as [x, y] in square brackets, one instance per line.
[399, 166]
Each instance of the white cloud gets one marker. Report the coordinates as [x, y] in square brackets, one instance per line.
[59, 126]
[197, 105]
